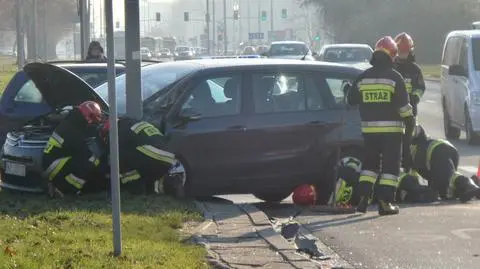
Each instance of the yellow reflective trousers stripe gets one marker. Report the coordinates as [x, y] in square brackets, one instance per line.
[130, 176]
[55, 167]
[389, 180]
[75, 181]
[382, 130]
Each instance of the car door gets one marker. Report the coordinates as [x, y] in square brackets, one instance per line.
[462, 83]
[450, 57]
[212, 144]
[289, 121]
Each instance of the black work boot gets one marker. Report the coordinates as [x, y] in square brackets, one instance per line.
[465, 189]
[387, 208]
[363, 204]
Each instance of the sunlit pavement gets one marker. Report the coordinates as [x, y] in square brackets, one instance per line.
[421, 236]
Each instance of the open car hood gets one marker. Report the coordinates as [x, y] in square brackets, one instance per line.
[60, 87]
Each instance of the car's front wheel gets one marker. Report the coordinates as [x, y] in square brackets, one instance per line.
[472, 137]
[273, 197]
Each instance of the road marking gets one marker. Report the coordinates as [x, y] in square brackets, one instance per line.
[468, 169]
[462, 233]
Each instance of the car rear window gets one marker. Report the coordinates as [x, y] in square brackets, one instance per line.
[347, 55]
[288, 49]
[476, 53]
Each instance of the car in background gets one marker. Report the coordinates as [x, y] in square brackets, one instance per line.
[256, 126]
[21, 101]
[346, 53]
[145, 53]
[249, 50]
[460, 85]
[183, 53]
[295, 50]
[262, 49]
[164, 53]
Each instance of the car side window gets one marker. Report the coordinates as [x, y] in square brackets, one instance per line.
[463, 61]
[452, 51]
[216, 96]
[29, 94]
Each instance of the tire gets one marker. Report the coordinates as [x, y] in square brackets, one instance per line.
[451, 132]
[472, 137]
[273, 197]
[326, 185]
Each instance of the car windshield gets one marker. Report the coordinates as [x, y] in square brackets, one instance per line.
[288, 49]
[476, 53]
[347, 54]
[96, 78]
[154, 78]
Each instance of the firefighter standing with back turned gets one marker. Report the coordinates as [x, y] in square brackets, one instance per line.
[384, 108]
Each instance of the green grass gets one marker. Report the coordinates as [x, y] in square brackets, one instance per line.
[76, 232]
[431, 70]
[7, 70]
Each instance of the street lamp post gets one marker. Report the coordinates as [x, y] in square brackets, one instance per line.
[235, 9]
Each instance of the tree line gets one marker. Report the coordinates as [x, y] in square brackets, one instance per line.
[428, 21]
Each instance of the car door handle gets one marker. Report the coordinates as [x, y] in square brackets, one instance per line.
[237, 127]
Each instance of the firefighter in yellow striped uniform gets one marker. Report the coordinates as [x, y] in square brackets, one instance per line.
[144, 158]
[385, 112]
[436, 160]
[69, 163]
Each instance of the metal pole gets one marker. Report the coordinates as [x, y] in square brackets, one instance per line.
[20, 37]
[101, 20]
[271, 16]
[34, 26]
[259, 17]
[225, 39]
[207, 20]
[249, 17]
[214, 30]
[132, 55]
[114, 163]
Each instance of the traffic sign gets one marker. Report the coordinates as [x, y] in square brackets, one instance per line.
[255, 35]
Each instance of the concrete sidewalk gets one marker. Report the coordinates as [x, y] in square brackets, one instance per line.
[241, 236]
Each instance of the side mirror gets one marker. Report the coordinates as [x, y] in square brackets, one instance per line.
[457, 70]
[346, 86]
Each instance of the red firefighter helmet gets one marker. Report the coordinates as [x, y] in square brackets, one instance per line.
[91, 112]
[404, 43]
[387, 45]
[305, 195]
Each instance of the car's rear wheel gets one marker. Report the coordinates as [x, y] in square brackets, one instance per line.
[450, 131]
[472, 137]
[273, 197]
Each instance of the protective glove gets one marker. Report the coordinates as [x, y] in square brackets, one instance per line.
[414, 99]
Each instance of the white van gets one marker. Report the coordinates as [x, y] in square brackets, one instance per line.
[460, 85]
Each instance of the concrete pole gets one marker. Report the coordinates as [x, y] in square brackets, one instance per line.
[20, 35]
[35, 35]
[225, 39]
[214, 30]
[271, 16]
[132, 55]
[114, 162]
[249, 16]
[207, 21]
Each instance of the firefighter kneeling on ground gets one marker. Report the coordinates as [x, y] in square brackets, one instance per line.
[436, 160]
[385, 111]
[143, 158]
[69, 162]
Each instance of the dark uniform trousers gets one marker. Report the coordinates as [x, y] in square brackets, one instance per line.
[382, 163]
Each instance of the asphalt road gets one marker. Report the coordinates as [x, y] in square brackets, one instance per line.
[444, 235]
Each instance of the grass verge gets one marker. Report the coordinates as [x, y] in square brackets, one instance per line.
[76, 232]
[431, 70]
[7, 70]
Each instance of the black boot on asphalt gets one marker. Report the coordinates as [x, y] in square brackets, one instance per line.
[362, 204]
[387, 208]
[466, 189]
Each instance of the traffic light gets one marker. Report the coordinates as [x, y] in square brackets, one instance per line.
[186, 16]
[284, 13]
[317, 38]
[235, 14]
[264, 15]
[159, 17]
